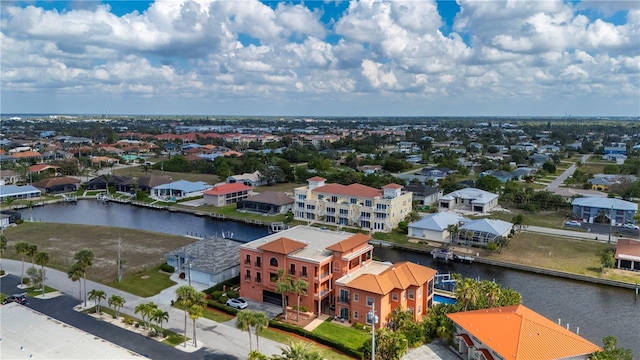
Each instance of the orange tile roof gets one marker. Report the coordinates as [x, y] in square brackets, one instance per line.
[519, 333]
[54, 181]
[392, 186]
[283, 246]
[25, 154]
[628, 247]
[42, 167]
[349, 190]
[316, 178]
[350, 243]
[399, 276]
[227, 188]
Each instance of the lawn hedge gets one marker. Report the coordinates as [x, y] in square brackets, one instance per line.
[227, 309]
[356, 353]
[218, 287]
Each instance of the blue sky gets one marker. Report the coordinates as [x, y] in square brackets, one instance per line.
[367, 58]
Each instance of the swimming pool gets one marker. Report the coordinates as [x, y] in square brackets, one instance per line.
[443, 299]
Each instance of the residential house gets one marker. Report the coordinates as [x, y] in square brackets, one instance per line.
[525, 146]
[9, 177]
[604, 181]
[339, 269]
[435, 174]
[548, 149]
[501, 175]
[434, 227]
[516, 333]
[40, 168]
[226, 194]
[18, 192]
[628, 254]
[179, 190]
[537, 160]
[618, 158]
[102, 182]
[576, 146]
[620, 149]
[254, 179]
[57, 185]
[5, 221]
[208, 261]
[618, 211]
[570, 193]
[370, 169]
[268, 202]
[423, 194]
[352, 205]
[482, 231]
[469, 199]
[145, 183]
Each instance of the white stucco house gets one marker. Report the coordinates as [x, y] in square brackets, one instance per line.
[469, 199]
[433, 227]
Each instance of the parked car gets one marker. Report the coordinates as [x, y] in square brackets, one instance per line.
[631, 226]
[18, 298]
[572, 223]
[238, 303]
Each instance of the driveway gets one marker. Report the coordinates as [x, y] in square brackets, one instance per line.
[434, 351]
[565, 175]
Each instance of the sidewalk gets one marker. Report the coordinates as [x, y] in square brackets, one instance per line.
[219, 337]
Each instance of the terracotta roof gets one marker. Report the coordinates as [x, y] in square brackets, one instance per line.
[350, 243]
[519, 333]
[25, 154]
[392, 186]
[271, 197]
[316, 178]
[628, 247]
[283, 246]
[46, 183]
[349, 190]
[399, 276]
[227, 188]
[42, 167]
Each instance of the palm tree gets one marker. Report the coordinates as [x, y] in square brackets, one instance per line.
[97, 296]
[185, 294]
[260, 322]
[243, 323]
[21, 249]
[116, 302]
[75, 274]
[84, 259]
[42, 259]
[3, 247]
[299, 350]
[493, 293]
[31, 251]
[283, 286]
[467, 291]
[452, 228]
[195, 312]
[299, 287]
[519, 221]
[146, 310]
[159, 316]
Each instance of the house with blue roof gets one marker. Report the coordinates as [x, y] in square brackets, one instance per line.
[18, 192]
[618, 211]
[179, 190]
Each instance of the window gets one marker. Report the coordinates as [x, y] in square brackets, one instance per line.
[354, 200]
[381, 207]
[365, 215]
[355, 314]
[273, 262]
[411, 294]
[367, 203]
[311, 207]
[311, 216]
[303, 273]
[258, 278]
[247, 259]
[320, 197]
[344, 212]
[273, 277]
[331, 210]
[369, 301]
[344, 296]
[247, 276]
[292, 269]
[334, 199]
[394, 296]
[301, 205]
[356, 297]
[258, 261]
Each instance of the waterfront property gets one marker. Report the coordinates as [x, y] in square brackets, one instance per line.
[268, 202]
[57, 185]
[616, 210]
[516, 332]
[207, 261]
[628, 254]
[179, 190]
[352, 205]
[18, 192]
[482, 231]
[254, 179]
[434, 227]
[226, 194]
[338, 269]
[469, 199]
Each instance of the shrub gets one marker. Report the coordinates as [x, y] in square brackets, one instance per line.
[26, 281]
[232, 294]
[223, 299]
[357, 326]
[167, 268]
[302, 308]
[227, 309]
[320, 339]
[2, 272]
[216, 295]
[218, 287]
[19, 221]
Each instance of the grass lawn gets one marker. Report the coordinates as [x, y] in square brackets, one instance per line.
[213, 314]
[35, 292]
[591, 168]
[283, 187]
[2, 297]
[141, 250]
[138, 171]
[145, 283]
[348, 336]
[230, 211]
[285, 338]
[550, 219]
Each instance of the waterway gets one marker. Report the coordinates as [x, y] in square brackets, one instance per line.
[597, 310]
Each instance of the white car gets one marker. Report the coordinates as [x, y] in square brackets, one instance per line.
[238, 303]
[572, 223]
[631, 226]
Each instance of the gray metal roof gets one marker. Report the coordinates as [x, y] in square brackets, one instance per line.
[211, 255]
[605, 203]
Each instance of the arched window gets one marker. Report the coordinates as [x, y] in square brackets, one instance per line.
[273, 262]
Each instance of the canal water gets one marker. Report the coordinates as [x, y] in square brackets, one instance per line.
[597, 310]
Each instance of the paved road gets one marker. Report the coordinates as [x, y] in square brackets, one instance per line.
[565, 175]
[220, 339]
[571, 233]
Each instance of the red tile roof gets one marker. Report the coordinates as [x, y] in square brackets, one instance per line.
[392, 186]
[283, 246]
[628, 247]
[42, 167]
[26, 154]
[54, 181]
[399, 276]
[519, 333]
[350, 243]
[349, 190]
[227, 188]
[316, 178]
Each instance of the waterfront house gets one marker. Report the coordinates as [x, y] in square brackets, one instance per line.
[353, 205]
[17, 192]
[433, 227]
[628, 254]
[516, 333]
[336, 265]
[145, 183]
[482, 231]
[254, 179]
[207, 261]
[618, 211]
[226, 194]
[268, 202]
[469, 199]
[179, 190]
[57, 185]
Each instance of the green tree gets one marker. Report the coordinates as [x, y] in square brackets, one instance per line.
[187, 298]
[283, 286]
[611, 351]
[31, 252]
[97, 296]
[488, 183]
[519, 221]
[21, 249]
[390, 345]
[159, 316]
[243, 323]
[493, 292]
[256, 355]
[549, 167]
[195, 312]
[84, 259]
[3, 247]
[467, 291]
[116, 302]
[260, 321]
[42, 259]
[75, 273]
[452, 229]
[298, 350]
[608, 259]
[299, 288]
[145, 311]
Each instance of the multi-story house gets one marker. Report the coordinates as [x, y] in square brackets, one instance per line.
[352, 205]
[339, 271]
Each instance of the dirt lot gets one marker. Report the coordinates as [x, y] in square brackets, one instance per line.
[140, 249]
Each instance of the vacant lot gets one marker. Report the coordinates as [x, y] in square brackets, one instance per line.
[138, 171]
[140, 249]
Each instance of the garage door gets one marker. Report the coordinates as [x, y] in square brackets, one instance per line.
[271, 297]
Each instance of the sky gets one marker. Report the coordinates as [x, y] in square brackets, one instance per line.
[321, 58]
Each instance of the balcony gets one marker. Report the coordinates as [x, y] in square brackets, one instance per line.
[292, 272]
[304, 274]
[258, 280]
[247, 262]
[247, 278]
[324, 292]
[343, 300]
[258, 264]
